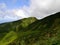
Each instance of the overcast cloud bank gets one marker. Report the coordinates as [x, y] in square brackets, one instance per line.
[37, 8]
[43, 8]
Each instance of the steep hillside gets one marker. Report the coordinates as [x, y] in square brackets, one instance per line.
[17, 25]
[47, 30]
[31, 31]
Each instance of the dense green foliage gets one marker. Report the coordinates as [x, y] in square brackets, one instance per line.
[30, 31]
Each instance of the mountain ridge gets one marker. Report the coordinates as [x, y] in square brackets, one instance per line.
[31, 31]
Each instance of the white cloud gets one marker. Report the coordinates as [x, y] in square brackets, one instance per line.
[43, 8]
[38, 8]
[20, 13]
[11, 15]
[7, 15]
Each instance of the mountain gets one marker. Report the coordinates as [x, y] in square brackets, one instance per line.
[11, 28]
[30, 31]
[20, 24]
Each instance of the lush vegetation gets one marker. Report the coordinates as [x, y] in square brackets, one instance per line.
[30, 31]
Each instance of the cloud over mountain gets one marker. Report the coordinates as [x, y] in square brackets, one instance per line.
[37, 8]
[43, 8]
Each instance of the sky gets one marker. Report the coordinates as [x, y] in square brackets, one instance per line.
[12, 10]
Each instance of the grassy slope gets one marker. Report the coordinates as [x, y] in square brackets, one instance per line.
[32, 31]
[16, 27]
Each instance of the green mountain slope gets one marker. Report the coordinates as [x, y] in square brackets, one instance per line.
[30, 31]
[17, 25]
[48, 30]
